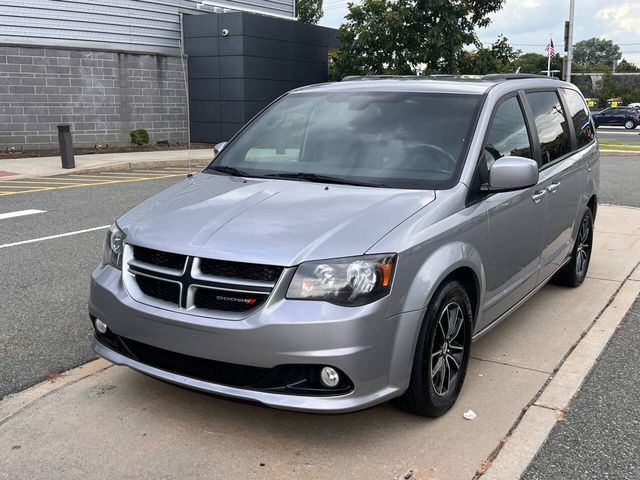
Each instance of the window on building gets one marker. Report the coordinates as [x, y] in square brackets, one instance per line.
[508, 134]
[551, 124]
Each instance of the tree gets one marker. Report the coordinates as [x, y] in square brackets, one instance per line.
[596, 51]
[535, 63]
[627, 67]
[409, 36]
[495, 59]
[309, 11]
[612, 87]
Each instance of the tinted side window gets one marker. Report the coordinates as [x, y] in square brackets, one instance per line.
[579, 116]
[508, 134]
[551, 124]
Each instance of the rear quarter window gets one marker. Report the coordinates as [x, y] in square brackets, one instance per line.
[579, 114]
[551, 124]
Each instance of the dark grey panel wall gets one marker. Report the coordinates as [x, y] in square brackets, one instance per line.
[239, 62]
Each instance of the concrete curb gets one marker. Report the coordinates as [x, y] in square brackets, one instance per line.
[199, 158]
[196, 164]
[522, 444]
[13, 404]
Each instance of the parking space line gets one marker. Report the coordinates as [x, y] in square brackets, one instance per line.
[103, 177]
[20, 213]
[18, 186]
[76, 185]
[34, 182]
[135, 173]
[51, 237]
[161, 173]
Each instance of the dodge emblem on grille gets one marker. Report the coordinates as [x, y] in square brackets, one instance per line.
[248, 301]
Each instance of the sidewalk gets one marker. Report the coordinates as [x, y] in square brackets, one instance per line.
[14, 168]
[102, 420]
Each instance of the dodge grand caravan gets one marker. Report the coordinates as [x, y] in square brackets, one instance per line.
[350, 242]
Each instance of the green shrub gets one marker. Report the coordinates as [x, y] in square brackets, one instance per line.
[139, 137]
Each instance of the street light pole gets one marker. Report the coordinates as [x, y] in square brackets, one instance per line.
[567, 73]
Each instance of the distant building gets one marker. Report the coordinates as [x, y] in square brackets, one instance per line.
[103, 66]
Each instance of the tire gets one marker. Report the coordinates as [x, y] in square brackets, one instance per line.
[574, 272]
[431, 392]
[630, 124]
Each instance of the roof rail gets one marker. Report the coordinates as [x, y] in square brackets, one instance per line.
[513, 76]
[492, 77]
[351, 78]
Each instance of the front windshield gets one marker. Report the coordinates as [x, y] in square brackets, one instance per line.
[392, 139]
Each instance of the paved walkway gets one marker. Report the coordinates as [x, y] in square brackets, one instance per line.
[14, 168]
[104, 420]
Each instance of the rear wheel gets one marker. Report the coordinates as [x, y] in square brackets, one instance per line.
[630, 124]
[442, 353]
[574, 272]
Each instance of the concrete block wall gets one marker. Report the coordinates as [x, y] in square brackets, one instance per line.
[103, 95]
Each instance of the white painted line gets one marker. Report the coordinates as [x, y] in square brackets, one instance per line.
[20, 213]
[51, 237]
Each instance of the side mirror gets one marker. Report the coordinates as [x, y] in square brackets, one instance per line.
[218, 147]
[512, 173]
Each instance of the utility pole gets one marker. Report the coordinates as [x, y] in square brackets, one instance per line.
[568, 41]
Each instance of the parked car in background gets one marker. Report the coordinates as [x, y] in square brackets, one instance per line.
[627, 117]
[350, 242]
[634, 105]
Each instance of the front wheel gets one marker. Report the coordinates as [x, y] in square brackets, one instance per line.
[630, 124]
[442, 353]
[574, 272]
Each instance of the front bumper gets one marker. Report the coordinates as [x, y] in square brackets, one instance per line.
[373, 351]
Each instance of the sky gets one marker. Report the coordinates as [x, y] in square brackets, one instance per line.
[528, 23]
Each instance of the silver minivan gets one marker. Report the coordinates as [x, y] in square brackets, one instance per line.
[350, 242]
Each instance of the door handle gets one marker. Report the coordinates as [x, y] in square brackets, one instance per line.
[537, 195]
[553, 188]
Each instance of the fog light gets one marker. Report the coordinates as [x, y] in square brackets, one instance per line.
[100, 326]
[329, 377]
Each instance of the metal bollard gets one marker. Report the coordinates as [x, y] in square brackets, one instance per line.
[66, 146]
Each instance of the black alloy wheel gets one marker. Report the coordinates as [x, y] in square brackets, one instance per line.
[447, 350]
[575, 271]
[442, 353]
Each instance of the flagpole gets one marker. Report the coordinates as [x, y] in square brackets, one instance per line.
[549, 58]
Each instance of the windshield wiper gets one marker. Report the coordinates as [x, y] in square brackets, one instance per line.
[314, 177]
[228, 170]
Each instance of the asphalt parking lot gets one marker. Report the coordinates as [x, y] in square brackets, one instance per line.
[47, 331]
[619, 134]
[45, 326]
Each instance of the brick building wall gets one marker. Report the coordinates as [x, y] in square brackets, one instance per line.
[103, 95]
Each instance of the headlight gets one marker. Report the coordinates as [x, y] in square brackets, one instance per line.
[349, 282]
[113, 247]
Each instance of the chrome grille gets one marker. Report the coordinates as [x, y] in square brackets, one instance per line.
[184, 282]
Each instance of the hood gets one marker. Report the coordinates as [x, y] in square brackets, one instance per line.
[277, 222]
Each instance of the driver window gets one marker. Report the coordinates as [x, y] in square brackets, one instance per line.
[508, 134]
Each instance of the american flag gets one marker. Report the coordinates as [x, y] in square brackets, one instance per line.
[550, 49]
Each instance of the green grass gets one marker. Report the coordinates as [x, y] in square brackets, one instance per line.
[619, 145]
